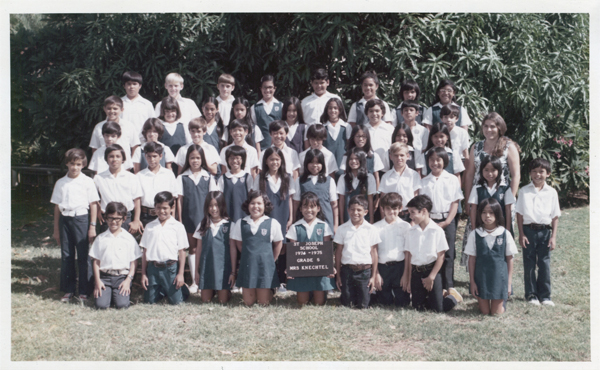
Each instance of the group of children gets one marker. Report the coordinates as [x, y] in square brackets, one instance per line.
[232, 183]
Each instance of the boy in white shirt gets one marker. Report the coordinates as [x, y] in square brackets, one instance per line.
[537, 218]
[225, 85]
[136, 109]
[380, 131]
[163, 260]
[187, 107]
[356, 255]
[197, 128]
[410, 112]
[111, 132]
[316, 135]
[129, 139]
[314, 104]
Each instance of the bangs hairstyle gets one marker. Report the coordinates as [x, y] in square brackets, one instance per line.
[253, 194]
[292, 100]
[435, 128]
[317, 132]
[218, 197]
[113, 99]
[359, 200]
[191, 149]
[325, 116]
[369, 74]
[392, 200]
[243, 124]
[153, 124]
[362, 174]
[281, 172]
[351, 144]
[373, 102]
[409, 85]
[410, 104]
[443, 84]
[319, 74]
[420, 202]
[267, 78]
[131, 76]
[226, 78]
[76, 154]
[440, 152]
[309, 199]
[164, 196]
[169, 103]
[496, 163]
[235, 151]
[540, 162]
[245, 103]
[153, 147]
[220, 126]
[174, 77]
[198, 123]
[407, 131]
[116, 207]
[111, 128]
[496, 208]
[450, 110]
[112, 148]
[278, 125]
[311, 154]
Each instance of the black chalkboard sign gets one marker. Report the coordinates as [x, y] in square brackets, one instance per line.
[309, 259]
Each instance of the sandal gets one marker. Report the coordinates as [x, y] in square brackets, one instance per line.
[66, 298]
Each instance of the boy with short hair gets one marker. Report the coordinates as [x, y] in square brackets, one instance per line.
[73, 195]
[316, 135]
[111, 132]
[390, 252]
[187, 107]
[129, 139]
[537, 218]
[459, 138]
[356, 255]
[225, 85]
[278, 131]
[163, 260]
[197, 128]
[410, 112]
[314, 104]
[425, 245]
[136, 108]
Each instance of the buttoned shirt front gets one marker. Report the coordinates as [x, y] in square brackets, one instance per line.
[392, 235]
[163, 242]
[115, 252]
[357, 242]
[405, 184]
[424, 245]
[153, 183]
[73, 196]
[123, 187]
[537, 207]
[442, 190]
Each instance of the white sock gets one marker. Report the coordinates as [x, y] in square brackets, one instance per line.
[192, 265]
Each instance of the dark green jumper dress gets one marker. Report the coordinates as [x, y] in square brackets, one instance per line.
[491, 270]
[257, 265]
[215, 261]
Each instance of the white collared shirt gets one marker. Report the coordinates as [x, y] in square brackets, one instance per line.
[167, 153]
[457, 164]
[335, 130]
[464, 116]
[115, 252]
[124, 187]
[251, 156]
[172, 127]
[74, 195]
[391, 247]
[225, 109]
[292, 131]
[332, 188]
[537, 207]
[214, 228]
[137, 111]
[153, 183]
[128, 138]
[418, 157]
[163, 242]
[371, 184]
[98, 163]
[420, 137]
[490, 239]
[377, 163]
[381, 137]
[258, 136]
[210, 154]
[404, 184]
[235, 178]
[313, 107]
[268, 107]
[424, 245]
[188, 109]
[275, 232]
[330, 163]
[389, 116]
[509, 198]
[292, 162]
[275, 185]
[357, 242]
[291, 234]
[442, 190]
[460, 140]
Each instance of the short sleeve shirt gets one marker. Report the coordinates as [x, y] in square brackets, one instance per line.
[357, 242]
[124, 187]
[537, 207]
[490, 239]
[163, 242]
[115, 252]
[424, 245]
[153, 183]
[404, 184]
[73, 196]
[236, 231]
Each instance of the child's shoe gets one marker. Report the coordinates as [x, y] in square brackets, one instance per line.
[548, 302]
[236, 289]
[455, 294]
[193, 289]
[534, 301]
[66, 298]
[281, 288]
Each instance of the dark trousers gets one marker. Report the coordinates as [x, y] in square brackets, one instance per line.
[146, 218]
[160, 284]
[447, 270]
[281, 265]
[111, 283]
[537, 253]
[74, 239]
[391, 292]
[355, 287]
[432, 300]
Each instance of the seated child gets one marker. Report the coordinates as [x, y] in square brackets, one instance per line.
[314, 104]
[129, 139]
[111, 132]
[136, 109]
[152, 131]
[187, 107]
[316, 135]
[197, 128]
[114, 253]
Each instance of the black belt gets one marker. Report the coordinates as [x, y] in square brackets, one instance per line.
[357, 268]
[164, 264]
[539, 226]
[423, 268]
[148, 211]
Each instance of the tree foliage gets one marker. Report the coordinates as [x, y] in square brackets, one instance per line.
[533, 69]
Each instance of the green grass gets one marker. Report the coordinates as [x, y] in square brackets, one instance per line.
[43, 328]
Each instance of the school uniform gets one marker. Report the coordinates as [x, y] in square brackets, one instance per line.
[381, 137]
[251, 157]
[432, 115]
[297, 136]
[501, 193]
[162, 244]
[175, 136]
[137, 111]
[301, 231]
[98, 163]
[257, 264]
[139, 156]
[123, 187]
[257, 134]
[225, 109]
[337, 136]
[212, 137]
[400, 118]
[491, 271]
[210, 154]
[356, 261]
[460, 141]
[538, 209]
[194, 189]
[405, 184]
[391, 261]
[455, 164]
[341, 189]
[152, 184]
[73, 197]
[188, 108]
[115, 254]
[374, 163]
[313, 107]
[330, 162]
[420, 138]
[292, 161]
[263, 114]
[444, 190]
[128, 139]
[215, 259]
[415, 160]
[326, 191]
[235, 189]
[357, 113]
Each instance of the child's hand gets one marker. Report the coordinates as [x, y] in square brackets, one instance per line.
[231, 280]
[523, 241]
[98, 289]
[100, 218]
[91, 234]
[335, 229]
[136, 227]
[338, 281]
[405, 283]
[288, 225]
[285, 272]
[428, 283]
[56, 236]
[144, 281]
[372, 284]
[378, 282]
[331, 276]
[125, 287]
[178, 282]
[475, 291]
[552, 244]
[443, 224]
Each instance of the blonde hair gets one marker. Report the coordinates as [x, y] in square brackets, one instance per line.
[174, 77]
[226, 78]
[396, 147]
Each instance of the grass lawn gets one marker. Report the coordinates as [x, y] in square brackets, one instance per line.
[43, 328]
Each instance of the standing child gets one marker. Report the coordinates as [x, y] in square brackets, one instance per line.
[338, 131]
[460, 138]
[216, 271]
[136, 109]
[114, 253]
[163, 259]
[238, 131]
[356, 181]
[537, 217]
[356, 256]
[197, 128]
[111, 132]
[360, 138]
[174, 134]
[278, 131]
[439, 137]
[193, 186]
[379, 130]
[297, 129]
[188, 107]
[152, 132]
[129, 139]
[240, 109]
[409, 91]
[410, 111]
[317, 134]
[358, 111]
[215, 125]
[490, 249]
[314, 104]
[225, 85]
[235, 183]
[267, 109]
[72, 196]
[445, 94]
[315, 179]
[258, 238]
[310, 228]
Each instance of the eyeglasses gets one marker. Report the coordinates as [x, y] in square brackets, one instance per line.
[448, 91]
[114, 219]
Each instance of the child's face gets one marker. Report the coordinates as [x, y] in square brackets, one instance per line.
[436, 164]
[446, 94]
[357, 213]
[399, 158]
[114, 222]
[333, 112]
[416, 215]
[353, 162]
[153, 160]
[197, 135]
[75, 167]
[278, 137]
[152, 135]
[268, 90]
[292, 114]
[174, 88]
[114, 160]
[110, 139]
[315, 143]
[439, 139]
[315, 167]
[274, 162]
[238, 135]
[113, 112]
[409, 94]
[538, 175]
[239, 111]
[225, 90]
[235, 163]
[209, 110]
[170, 115]
[256, 207]
[488, 217]
[375, 113]
[132, 88]
[391, 213]
[490, 130]
[309, 211]
[409, 114]
[401, 137]
[369, 87]
[163, 211]
[195, 160]
[450, 121]
[490, 173]
[360, 139]
[319, 86]
[213, 210]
